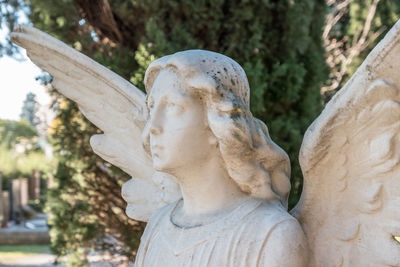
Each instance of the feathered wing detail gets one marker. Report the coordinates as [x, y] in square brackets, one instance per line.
[111, 103]
[350, 157]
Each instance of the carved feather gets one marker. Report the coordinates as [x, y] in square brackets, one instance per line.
[111, 103]
[350, 157]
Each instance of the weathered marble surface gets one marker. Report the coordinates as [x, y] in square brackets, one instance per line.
[211, 182]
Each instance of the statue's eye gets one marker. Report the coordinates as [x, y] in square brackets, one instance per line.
[173, 107]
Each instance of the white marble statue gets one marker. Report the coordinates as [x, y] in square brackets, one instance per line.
[212, 184]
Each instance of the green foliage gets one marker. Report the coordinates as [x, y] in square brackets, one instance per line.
[25, 249]
[85, 205]
[13, 132]
[347, 34]
[387, 13]
[11, 12]
[277, 42]
[20, 152]
[143, 58]
[16, 165]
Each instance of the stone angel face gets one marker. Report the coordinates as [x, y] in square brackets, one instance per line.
[212, 184]
[176, 132]
[198, 104]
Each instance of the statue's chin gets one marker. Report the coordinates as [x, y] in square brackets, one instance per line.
[138, 212]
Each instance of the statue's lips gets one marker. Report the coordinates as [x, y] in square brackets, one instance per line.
[155, 150]
[156, 147]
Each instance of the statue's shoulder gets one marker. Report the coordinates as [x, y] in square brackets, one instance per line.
[270, 214]
[279, 232]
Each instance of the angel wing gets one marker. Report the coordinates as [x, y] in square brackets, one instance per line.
[115, 106]
[350, 158]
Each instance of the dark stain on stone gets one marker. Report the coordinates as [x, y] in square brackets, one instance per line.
[234, 115]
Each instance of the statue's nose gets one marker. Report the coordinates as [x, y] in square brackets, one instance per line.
[154, 130]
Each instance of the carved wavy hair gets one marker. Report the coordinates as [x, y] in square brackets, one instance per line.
[258, 166]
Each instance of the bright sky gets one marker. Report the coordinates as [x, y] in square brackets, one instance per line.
[17, 79]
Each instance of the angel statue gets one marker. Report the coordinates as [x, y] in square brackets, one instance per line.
[209, 180]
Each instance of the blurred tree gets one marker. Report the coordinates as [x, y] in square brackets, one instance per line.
[278, 43]
[11, 132]
[12, 12]
[19, 151]
[351, 31]
[30, 109]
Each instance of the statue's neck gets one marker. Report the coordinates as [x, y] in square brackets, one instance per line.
[207, 191]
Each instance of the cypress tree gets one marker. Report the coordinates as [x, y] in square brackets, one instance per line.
[30, 109]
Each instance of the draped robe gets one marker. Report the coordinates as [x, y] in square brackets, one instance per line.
[257, 233]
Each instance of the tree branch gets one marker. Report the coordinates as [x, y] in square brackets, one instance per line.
[340, 54]
[109, 26]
